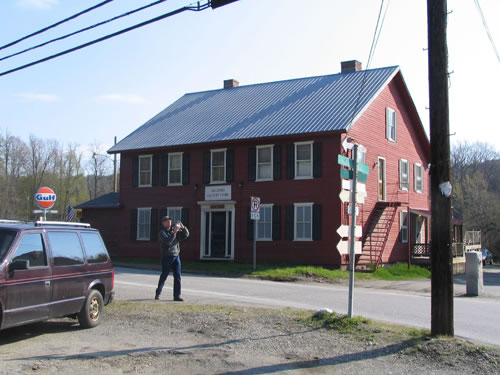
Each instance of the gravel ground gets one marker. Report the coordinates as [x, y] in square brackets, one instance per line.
[169, 338]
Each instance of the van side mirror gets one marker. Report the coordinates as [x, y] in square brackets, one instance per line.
[20, 264]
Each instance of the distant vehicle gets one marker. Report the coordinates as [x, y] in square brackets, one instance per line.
[51, 270]
[487, 257]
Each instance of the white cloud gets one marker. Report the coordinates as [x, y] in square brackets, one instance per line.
[39, 4]
[34, 97]
[122, 98]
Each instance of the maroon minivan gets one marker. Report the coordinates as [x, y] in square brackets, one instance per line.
[53, 269]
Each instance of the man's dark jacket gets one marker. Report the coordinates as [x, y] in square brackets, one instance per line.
[169, 241]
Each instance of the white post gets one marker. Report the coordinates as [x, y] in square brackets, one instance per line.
[352, 230]
[254, 245]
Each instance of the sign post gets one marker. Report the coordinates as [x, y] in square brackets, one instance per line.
[352, 229]
[255, 216]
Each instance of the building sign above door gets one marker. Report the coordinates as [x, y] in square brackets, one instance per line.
[218, 193]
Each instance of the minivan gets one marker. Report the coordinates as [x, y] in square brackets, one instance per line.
[51, 270]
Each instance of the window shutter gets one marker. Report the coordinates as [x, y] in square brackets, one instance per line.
[135, 171]
[163, 212]
[250, 224]
[133, 224]
[185, 216]
[185, 168]
[290, 161]
[317, 159]
[277, 162]
[317, 222]
[229, 165]
[252, 163]
[395, 118]
[276, 223]
[206, 167]
[164, 169]
[154, 225]
[156, 170]
[289, 222]
[387, 121]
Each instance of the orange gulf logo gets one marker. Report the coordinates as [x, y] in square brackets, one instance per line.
[45, 197]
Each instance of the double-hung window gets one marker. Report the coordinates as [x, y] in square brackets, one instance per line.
[175, 168]
[264, 163]
[390, 124]
[418, 178]
[175, 213]
[404, 174]
[303, 160]
[145, 170]
[303, 221]
[218, 166]
[265, 223]
[403, 226]
[143, 223]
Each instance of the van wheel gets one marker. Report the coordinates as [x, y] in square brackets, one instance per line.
[91, 312]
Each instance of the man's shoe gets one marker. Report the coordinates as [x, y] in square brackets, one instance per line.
[157, 297]
[178, 299]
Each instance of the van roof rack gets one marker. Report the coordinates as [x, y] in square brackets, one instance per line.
[65, 223]
[6, 221]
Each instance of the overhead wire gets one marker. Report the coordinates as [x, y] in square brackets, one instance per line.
[84, 29]
[197, 8]
[490, 37]
[56, 24]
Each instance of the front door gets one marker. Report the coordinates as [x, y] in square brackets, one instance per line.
[381, 179]
[218, 235]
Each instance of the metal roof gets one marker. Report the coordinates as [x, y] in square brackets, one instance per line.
[110, 200]
[298, 106]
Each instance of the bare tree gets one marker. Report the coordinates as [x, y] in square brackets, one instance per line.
[98, 170]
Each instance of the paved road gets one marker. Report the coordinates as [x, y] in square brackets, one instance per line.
[408, 303]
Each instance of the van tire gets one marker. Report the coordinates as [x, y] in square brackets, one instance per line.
[91, 312]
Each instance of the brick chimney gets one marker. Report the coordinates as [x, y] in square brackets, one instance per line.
[350, 66]
[229, 83]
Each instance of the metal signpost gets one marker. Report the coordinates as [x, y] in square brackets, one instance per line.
[255, 216]
[358, 172]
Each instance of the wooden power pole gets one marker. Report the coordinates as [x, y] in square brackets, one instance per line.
[440, 172]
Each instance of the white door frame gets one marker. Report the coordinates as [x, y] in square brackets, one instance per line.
[384, 179]
[216, 206]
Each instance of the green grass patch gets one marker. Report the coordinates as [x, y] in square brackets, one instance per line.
[340, 322]
[401, 271]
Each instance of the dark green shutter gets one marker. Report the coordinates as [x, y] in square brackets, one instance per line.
[289, 222]
[229, 165]
[277, 162]
[317, 222]
[276, 223]
[185, 168]
[252, 163]
[156, 170]
[290, 161]
[153, 229]
[133, 224]
[163, 213]
[135, 171]
[206, 167]
[164, 169]
[317, 159]
[185, 216]
[250, 224]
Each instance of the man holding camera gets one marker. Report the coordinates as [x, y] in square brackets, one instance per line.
[170, 236]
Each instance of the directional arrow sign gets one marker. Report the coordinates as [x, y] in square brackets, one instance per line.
[345, 231]
[349, 163]
[349, 175]
[347, 185]
[343, 247]
[345, 196]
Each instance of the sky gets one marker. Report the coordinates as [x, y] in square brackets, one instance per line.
[111, 88]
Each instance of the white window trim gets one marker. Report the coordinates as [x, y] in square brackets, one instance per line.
[401, 226]
[385, 177]
[295, 206]
[419, 167]
[257, 163]
[150, 157]
[263, 239]
[388, 118]
[295, 161]
[138, 215]
[169, 209]
[401, 182]
[174, 154]
[211, 166]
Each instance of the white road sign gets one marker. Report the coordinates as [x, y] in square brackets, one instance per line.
[254, 204]
[345, 196]
[343, 247]
[345, 231]
[349, 210]
[360, 187]
[255, 215]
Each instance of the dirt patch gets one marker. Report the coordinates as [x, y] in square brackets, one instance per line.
[168, 338]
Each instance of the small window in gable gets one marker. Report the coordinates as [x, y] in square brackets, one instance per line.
[145, 170]
[418, 178]
[404, 175]
[390, 124]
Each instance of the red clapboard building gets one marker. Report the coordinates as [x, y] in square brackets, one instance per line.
[203, 157]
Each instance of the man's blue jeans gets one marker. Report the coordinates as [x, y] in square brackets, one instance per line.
[170, 263]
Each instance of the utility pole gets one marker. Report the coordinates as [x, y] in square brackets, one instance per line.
[441, 258]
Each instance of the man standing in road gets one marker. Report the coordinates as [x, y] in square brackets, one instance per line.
[170, 260]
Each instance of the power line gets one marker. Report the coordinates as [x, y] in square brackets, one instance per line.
[483, 19]
[82, 30]
[197, 8]
[56, 24]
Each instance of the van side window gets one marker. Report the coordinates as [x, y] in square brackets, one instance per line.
[31, 248]
[66, 248]
[94, 247]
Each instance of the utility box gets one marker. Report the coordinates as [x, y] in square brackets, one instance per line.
[474, 273]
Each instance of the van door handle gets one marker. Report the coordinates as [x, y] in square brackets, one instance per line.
[47, 283]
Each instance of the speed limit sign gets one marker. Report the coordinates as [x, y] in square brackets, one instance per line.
[254, 204]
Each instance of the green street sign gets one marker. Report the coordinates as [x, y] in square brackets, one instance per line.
[349, 163]
[349, 175]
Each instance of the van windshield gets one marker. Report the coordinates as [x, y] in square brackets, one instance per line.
[6, 238]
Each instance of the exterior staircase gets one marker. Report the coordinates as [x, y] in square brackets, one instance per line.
[376, 234]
